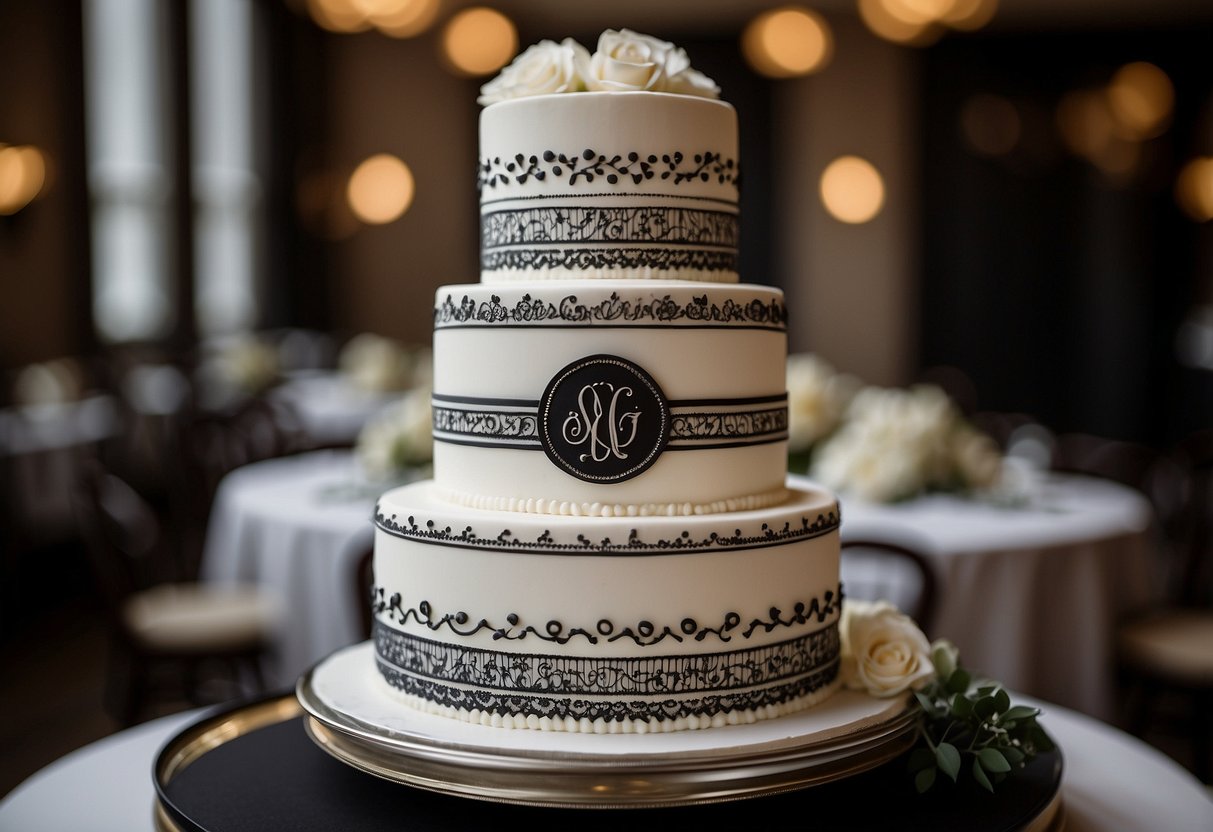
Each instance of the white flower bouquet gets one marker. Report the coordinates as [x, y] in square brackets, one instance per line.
[895, 444]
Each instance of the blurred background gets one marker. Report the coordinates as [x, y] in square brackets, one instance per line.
[222, 223]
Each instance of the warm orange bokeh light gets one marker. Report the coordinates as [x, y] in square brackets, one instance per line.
[1141, 98]
[22, 175]
[787, 42]
[1194, 189]
[342, 16]
[877, 17]
[401, 18]
[380, 189]
[479, 41]
[852, 190]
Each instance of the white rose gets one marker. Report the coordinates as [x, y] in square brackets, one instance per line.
[693, 82]
[545, 67]
[883, 650]
[627, 60]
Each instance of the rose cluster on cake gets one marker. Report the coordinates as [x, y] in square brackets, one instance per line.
[623, 61]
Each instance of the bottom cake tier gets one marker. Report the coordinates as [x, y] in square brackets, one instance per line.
[606, 624]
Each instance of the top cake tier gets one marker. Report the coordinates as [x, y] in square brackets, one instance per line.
[615, 185]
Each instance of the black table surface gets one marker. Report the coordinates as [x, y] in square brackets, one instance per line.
[277, 778]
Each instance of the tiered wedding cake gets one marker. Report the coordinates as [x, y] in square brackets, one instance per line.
[608, 543]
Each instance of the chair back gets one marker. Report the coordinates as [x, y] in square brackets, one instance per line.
[874, 570]
[121, 533]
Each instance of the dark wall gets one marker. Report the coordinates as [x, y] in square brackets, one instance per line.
[1057, 288]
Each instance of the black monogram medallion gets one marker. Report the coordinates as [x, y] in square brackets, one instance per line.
[603, 419]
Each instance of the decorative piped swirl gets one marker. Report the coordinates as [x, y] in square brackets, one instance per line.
[539, 505]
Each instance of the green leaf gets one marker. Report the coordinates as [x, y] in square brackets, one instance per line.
[961, 706]
[1014, 755]
[1021, 712]
[980, 776]
[928, 704]
[1002, 700]
[992, 760]
[924, 779]
[959, 681]
[948, 759]
[984, 708]
[921, 758]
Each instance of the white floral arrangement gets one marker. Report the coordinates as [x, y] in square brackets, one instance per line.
[247, 363]
[378, 364]
[399, 439]
[623, 61]
[895, 444]
[962, 719]
[818, 397]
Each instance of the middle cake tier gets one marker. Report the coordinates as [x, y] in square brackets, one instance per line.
[610, 398]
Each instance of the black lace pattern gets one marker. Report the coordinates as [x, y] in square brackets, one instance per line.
[518, 425]
[615, 310]
[584, 224]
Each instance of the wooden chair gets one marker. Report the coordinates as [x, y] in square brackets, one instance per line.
[874, 570]
[184, 627]
[1165, 653]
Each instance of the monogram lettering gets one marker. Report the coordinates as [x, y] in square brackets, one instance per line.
[602, 427]
[603, 419]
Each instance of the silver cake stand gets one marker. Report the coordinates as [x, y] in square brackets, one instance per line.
[351, 714]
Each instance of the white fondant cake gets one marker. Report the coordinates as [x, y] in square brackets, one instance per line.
[609, 185]
[608, 543]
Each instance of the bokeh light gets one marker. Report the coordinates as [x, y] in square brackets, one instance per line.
[1194, 188]
[380, 189]
[342, 16]
[400, 18]
[852, 190]
[479, 41]
[787, 42]
[969, 15]
[884, 24]
[1141, 98]
[22, 175]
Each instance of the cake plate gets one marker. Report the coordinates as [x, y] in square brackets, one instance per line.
[352, 715]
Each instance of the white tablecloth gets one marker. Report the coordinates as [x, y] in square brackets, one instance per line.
[1030, 594]
[1111, 782]
[296, 526]
[331, 409]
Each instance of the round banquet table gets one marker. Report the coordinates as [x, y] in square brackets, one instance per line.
[1030, 593]
[1110, 781]
[332, 410]
[296, 526]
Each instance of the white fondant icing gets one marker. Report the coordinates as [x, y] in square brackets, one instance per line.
[540, 590]
[723, 355]
[525, 136]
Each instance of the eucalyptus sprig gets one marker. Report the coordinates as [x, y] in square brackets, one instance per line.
[971, 723]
